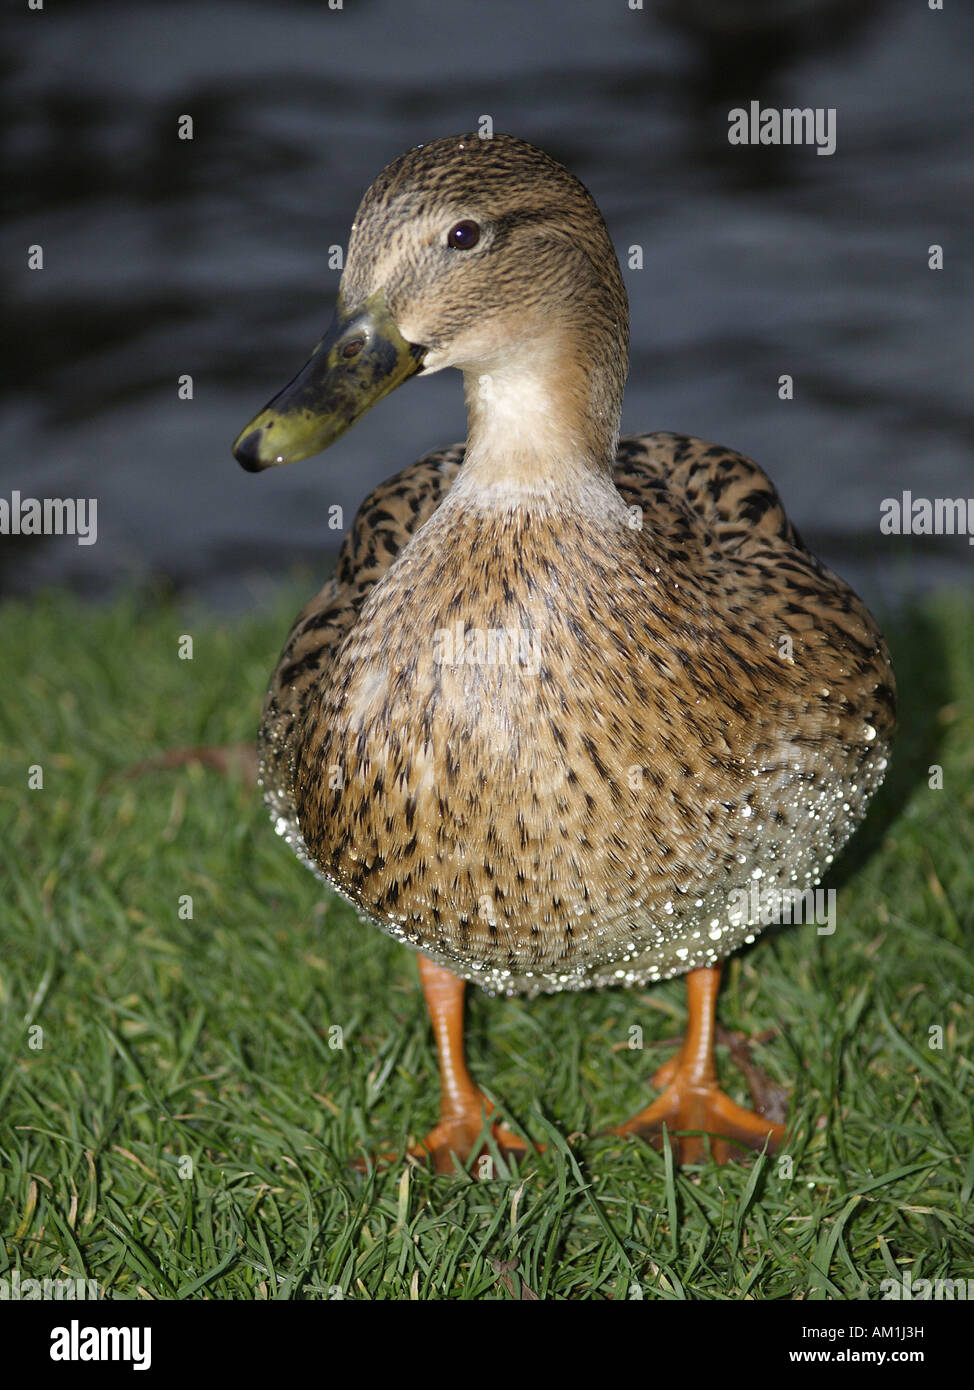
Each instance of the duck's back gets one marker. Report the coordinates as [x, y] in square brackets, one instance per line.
[712, 719]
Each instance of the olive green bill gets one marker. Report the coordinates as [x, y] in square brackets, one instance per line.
[360, 359]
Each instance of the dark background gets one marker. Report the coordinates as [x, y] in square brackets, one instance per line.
[210, 256]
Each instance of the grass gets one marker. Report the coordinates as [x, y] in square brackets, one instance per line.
[181, 1126]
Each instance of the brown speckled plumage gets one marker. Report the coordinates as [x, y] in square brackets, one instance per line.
[696, 702]
[551, 830]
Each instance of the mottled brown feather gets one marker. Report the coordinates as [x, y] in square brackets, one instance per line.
[586, 823]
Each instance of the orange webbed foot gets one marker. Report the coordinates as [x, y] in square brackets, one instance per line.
[692, 1099]
[685, 1105]
[465, 1112]
[456, 1138]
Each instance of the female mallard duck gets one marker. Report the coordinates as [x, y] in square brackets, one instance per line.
[567, 697]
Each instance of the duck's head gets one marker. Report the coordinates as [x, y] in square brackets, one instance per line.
[485, 255]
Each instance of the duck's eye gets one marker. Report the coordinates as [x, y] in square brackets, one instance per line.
[463, 236]
[353, 347]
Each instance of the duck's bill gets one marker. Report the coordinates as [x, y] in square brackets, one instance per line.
[360, 359]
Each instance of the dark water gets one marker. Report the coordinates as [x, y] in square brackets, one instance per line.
[209, 257]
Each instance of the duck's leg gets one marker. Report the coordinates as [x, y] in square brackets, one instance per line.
[692, 1098]
[463, 1105]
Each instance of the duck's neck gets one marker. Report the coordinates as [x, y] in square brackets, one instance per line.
[543, 422]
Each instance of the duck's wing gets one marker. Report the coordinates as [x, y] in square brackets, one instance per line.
[386, 520]
[736, 500]
[766, 572]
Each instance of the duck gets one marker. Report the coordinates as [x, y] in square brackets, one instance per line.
[573, 707]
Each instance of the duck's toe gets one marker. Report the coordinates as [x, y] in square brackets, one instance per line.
[691, 1112]
[457, 1138]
